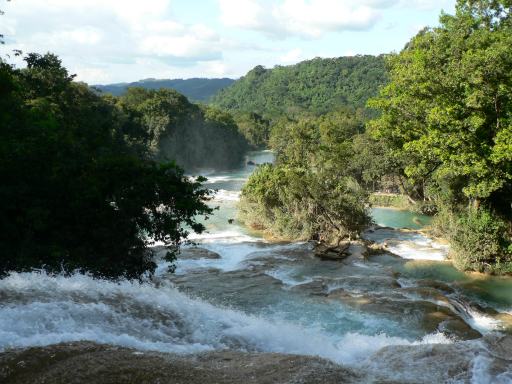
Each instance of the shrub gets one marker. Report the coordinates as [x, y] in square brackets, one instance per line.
[479, 243]
[297, 204]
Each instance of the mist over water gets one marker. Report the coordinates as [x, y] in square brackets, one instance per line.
[409, 316]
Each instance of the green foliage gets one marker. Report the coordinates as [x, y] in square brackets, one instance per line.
[254, 127]
[183, 132]
[78, 189]
[448, 109]
[446, 118]
[389, 200]
[295, 203]
[316, 86]
[479, 243]
[322, 143]
[444, 222]
[311, 192]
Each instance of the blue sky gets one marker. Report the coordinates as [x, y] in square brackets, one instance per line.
[105, 41]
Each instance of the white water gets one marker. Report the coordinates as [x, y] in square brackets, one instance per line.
[145, 317]
[38, 309]
[410, 245]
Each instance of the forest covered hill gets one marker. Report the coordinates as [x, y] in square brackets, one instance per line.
[317, 86]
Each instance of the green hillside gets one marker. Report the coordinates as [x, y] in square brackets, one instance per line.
[317, 86]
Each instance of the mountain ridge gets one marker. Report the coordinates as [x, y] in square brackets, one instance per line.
[198, 89]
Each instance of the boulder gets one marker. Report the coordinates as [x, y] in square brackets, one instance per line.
[316, 287]
[427, 293]
[440, 286]
[369, 284]
[486, 361]
[196, 253]
[333, 253]
[425, 315]
[458, 328]
[375, 249]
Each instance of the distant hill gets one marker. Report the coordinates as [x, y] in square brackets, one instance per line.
[315, 86]
[196, 89]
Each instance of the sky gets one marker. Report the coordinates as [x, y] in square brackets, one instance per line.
[110, 41]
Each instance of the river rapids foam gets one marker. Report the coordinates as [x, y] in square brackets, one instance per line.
[40, 309]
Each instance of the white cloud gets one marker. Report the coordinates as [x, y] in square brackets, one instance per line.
[426, 5]
[92, 34]
[98, 74]
[244, 13]
[191, 45]
[125, 40]
[217, 68]
[311, 18]
[315, 17]
[292, 57]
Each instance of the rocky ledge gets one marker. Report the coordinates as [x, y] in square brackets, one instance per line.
[341, 251]
[486, 360]
[90, 363]
[188, 253]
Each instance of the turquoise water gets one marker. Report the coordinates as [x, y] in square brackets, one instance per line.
[396, 218]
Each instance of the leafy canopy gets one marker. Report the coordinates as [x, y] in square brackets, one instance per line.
[196, 137]
[311, 192]
[446, 117]
[315, 86]
[448, 108]
[79, 191]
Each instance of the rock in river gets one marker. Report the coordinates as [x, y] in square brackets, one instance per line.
[188, 253]
[334, 253]
[89, 363]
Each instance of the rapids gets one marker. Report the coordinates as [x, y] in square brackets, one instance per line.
[378, 314]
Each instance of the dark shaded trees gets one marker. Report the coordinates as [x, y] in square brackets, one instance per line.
[78, 190]
[196, 137]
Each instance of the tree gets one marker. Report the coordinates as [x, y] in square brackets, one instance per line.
[314, 87]
[254, 127]
[178, 130]
[75, 193]
[447, 116]
[311, 192]
[448, 107]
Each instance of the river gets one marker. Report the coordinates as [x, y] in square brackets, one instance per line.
[405, 315]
